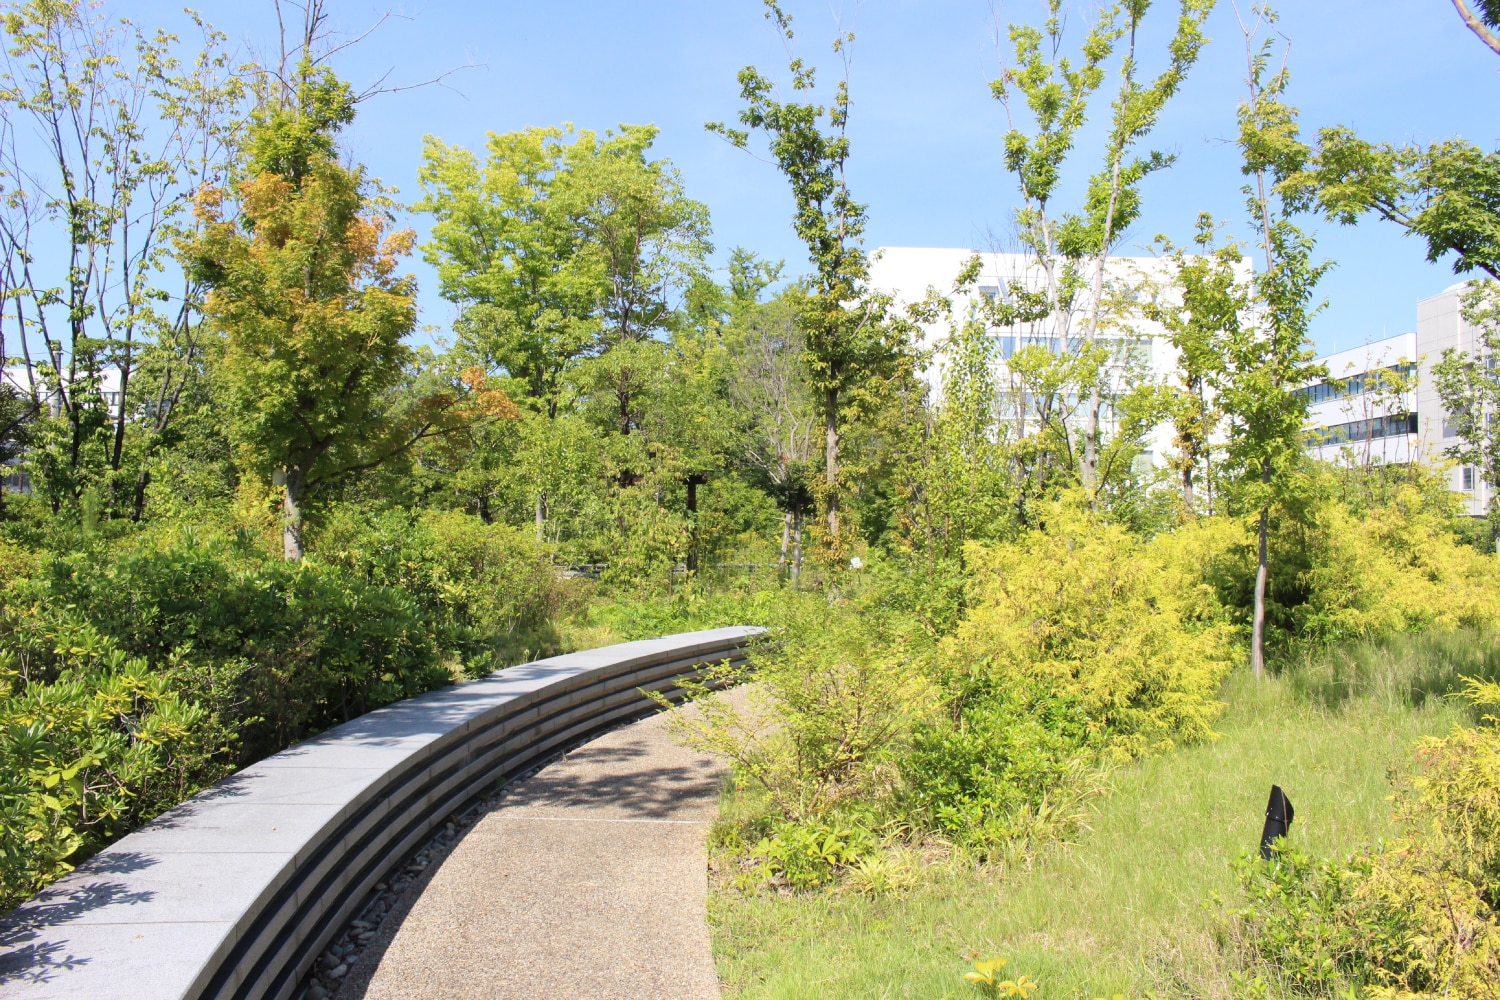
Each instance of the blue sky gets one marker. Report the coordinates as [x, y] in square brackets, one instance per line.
[926, 133]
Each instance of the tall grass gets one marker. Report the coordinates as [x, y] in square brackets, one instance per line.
[1400, 671]
[1126, 908]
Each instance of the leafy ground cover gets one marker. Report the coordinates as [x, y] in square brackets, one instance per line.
[1127, 906]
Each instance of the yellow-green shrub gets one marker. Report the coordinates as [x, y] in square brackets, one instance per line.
[1128, 628]
[1394, 568]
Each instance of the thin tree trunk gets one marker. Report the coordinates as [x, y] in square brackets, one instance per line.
[786, 544]
[831, 460]
[138, 501]
[291, 513]
[692, 510]
[1187, 487]
[797, 550]
[541, 499]
[1258, 624]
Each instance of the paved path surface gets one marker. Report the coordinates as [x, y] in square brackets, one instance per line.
[590, 880]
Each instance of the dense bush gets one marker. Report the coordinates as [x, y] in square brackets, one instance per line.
[277, 650]
[483, 589]
[1126, 629]
[1415, 918]
[92, 744]
[842, 689]
[1001, 768]
[137, 670]
[1392, 568]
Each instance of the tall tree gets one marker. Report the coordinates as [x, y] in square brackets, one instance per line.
[1072, 248]
[124, 128]
[566, 253]
[772, 389]
[305, 293]
[849, 343]
[1201, 313]
[1265, 362]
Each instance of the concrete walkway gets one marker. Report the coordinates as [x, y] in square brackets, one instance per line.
[590, 879]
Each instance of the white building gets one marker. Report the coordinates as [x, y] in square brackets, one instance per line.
[908, 273]
[16, 376]
[1379, 403]
[1364, 420]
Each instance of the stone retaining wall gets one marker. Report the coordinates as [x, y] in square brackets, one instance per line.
[235, 892]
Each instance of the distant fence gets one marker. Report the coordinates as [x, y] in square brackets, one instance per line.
[234, 893]
[593, 571]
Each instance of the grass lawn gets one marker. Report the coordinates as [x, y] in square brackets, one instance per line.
[1125, 908]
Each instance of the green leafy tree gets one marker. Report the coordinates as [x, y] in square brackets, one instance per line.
[1266, 361]
[1204, 313]
[1071, 248]
[1447, 193]
[850, 346]
[106, 132]
[565, 259]
[305, 293]
[771, 388]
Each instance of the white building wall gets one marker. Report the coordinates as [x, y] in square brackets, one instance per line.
[1440, 326]
[1328, 417]
[909, 273]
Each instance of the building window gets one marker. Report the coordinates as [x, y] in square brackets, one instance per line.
[1468, 473]
[1389, 425]
[1354, 385]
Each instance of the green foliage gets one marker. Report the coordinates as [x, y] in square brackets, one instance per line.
[842, 684]
[1386, 569]
[852, 347]
[1127, 630]
[1010, 768]
[1415, 918]
[1308, 921]
[483, 589]
[114, 126]
[278, 652]
[292, 137]
[1071, 248]
[557, 250]
[92, 744]
[311, 312]
[811, 853]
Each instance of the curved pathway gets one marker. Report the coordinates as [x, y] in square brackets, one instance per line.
[589, 879]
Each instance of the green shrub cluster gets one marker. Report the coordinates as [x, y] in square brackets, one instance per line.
[976, 722]
[92, 743]
[1355, 572]
[1413, 919]
[277, 650]
[139, 669]
[484, 589]
[1123, 627]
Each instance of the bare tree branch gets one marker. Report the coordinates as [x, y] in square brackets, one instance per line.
[1477, 26]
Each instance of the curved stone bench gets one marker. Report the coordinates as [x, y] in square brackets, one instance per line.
[236, 891]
